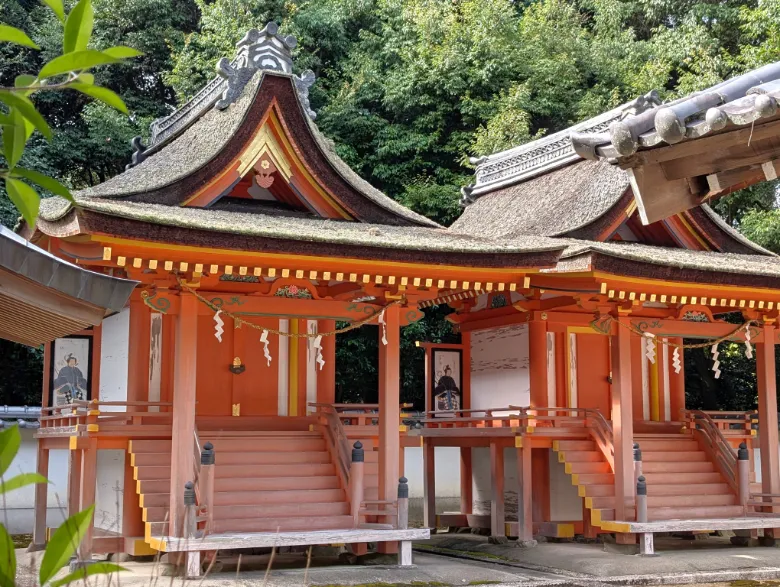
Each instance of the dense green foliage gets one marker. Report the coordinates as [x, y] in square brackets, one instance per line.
[409, 89]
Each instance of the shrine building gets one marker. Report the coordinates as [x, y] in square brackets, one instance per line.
[583, 264]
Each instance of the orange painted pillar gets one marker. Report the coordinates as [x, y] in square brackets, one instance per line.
[622, 425]
[326, 377]
[676, 384]
[88, 488]
[183, 429]
[767, 416]
[389, 409]
[138, 360]
[41, 499]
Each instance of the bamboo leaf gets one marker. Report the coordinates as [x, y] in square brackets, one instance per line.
[74, 62]
[103, 94]
[46, 182]
[27, 110]
[10, 440]
[7, 559]
[88, 571]
[64, 543]
[26, 200]
[122, 52]
[78, 27]
[9, 34]
[56, 6]
[22, 481]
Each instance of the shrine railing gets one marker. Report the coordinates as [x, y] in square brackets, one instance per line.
[105, 418]
[357, 414]
[734, 424]
[336, 437]
[715, 444]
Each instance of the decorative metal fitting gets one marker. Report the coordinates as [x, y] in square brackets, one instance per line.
[358, 455]
[403, 488]
[189, 493]
[641, 485]
[207, 454]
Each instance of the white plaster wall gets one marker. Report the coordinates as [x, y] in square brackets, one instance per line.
[114, 346]
[565, 503]
[756, 464]
[499, 367]
[20, 504]
[447, 462]
[499, 377]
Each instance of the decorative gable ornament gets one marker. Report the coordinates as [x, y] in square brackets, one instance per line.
[267, 50]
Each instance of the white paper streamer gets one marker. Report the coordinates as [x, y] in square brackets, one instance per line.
[676, 363]
[318, 347]
[219, 326]
[266, 352]
[650, 346]
[384, 327]
[715, 361]
[748, 346]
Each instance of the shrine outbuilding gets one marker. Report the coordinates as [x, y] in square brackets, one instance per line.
[254, 245]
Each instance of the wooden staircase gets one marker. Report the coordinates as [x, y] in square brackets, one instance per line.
[682, 483]
[265, 481]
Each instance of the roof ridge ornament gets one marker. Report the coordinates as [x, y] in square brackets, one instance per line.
[262, 50]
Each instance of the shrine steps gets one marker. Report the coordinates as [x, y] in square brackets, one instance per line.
[264, 481]
[681, 481]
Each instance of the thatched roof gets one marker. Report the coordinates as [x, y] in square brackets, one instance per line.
[553, 204]
[197, 141]
[638, 260]
[265, 229]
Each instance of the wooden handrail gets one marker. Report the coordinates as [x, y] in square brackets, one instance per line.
[337, 439]
[716, 445]
[601, 430]
[355, 407]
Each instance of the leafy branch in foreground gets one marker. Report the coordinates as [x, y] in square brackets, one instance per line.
[65, 540]
[68, 71]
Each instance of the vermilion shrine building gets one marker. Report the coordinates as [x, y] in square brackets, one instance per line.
[251, 239]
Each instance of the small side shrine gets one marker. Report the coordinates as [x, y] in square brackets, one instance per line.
[254, 244]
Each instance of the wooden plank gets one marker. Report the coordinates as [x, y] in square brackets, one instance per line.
[278, 539]
[658, 198]
[747, 523]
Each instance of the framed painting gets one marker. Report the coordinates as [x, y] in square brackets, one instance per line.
[70, 376]
[446, 380]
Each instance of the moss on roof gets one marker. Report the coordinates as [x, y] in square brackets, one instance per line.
[553, 204]
[303, 229]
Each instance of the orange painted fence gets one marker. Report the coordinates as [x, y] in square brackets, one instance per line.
[125, 419]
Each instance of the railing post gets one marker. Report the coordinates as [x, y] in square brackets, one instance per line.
[645, 538]
[743, 474]
[188, 531]
[637, 462]
[405, 551]
[356, 482]
[206, 485]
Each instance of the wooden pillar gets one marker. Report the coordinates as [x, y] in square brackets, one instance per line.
[466, 481]
[622, 424]
[525, 518]
[676, 384]
[88, 483]
[465, 392]
[326, 377]
[537, 353]
[183, 428]
[41, 499]
[74, 481]
[767, 417]
[561, 369]
[540, 485]
[429, 484]
[497, 516]
[389, 411]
